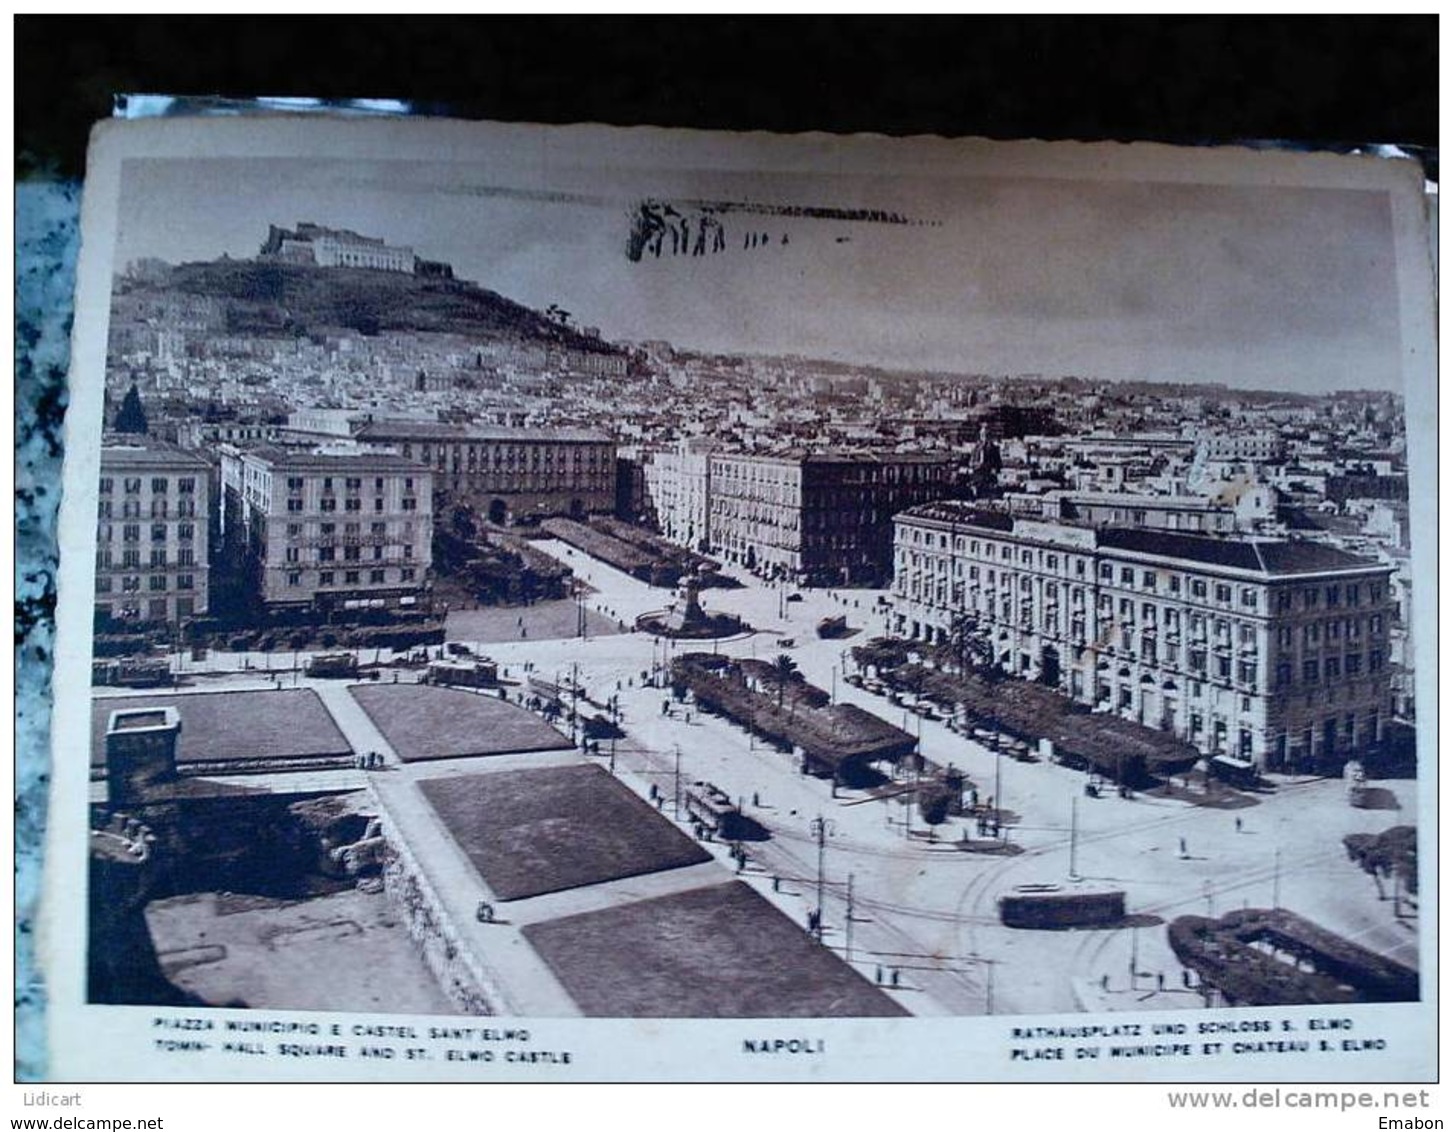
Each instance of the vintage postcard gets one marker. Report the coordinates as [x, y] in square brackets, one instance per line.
[577, 604]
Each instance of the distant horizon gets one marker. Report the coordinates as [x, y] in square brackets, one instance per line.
[1168, 283]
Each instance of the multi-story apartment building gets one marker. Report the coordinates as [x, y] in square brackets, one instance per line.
[152, 532]
[823, 519]
[328, 531]
[678, 489]
[1241, 446]
[1275, 652]
[507, 474]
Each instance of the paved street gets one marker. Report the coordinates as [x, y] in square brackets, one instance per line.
[928, 909]
[924, 910]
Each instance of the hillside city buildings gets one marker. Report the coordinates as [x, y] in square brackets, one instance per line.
[1164, 541]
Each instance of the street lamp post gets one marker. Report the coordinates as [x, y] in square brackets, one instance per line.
[1074, 834]
[820, 828]
[998, 788]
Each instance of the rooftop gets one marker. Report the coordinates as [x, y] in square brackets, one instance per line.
[430, 430]
[137, 451]
[839, 456]
[1265, 557]
[1262, 556]
[287, 458]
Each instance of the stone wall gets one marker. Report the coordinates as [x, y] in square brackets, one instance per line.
[460, 972]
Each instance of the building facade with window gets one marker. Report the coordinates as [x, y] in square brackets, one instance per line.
[152, 533]
[1273, 652]
[335, 247]
[678, 490]
[329, 531]
[507, 474]
[820, 519]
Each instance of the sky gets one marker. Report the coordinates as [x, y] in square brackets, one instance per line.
[1252, 286]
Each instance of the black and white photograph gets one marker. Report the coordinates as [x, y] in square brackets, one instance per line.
[789, 589]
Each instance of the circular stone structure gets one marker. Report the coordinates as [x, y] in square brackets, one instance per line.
[686, 620]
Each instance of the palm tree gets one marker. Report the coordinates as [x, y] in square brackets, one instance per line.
[783, 668]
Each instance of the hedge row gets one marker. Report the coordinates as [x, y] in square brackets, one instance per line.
[1222, 952]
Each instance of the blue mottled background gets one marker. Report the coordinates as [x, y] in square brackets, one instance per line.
[47, 217]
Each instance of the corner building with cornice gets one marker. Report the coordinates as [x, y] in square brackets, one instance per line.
[1272, 652]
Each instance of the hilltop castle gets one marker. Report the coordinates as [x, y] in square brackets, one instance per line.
[318, 246]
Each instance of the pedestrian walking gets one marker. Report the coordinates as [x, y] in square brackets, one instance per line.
[1160, 980]
[895, 976]
[1183, 848]
[1238, 824]
[1105, 982]
[878, 975]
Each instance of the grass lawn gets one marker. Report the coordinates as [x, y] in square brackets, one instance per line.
[530, 832]
[235, 726]
[424, 722]
[715, 952]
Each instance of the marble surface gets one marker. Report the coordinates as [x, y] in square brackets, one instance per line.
[47, 218]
